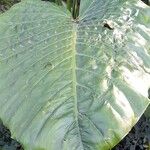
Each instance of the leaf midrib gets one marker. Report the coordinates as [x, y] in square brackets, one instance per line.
[74, 68]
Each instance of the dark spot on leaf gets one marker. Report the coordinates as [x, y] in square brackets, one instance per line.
[16, 28]
[106, 25]
[48, 65]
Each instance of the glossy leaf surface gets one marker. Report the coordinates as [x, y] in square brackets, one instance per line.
[74, 84]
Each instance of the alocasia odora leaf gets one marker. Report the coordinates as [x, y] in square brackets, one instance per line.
[74, 84]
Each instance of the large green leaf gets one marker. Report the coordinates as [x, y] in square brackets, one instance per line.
[74, 84]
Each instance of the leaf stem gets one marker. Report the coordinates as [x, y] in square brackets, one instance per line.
[69, 3]
[75, 10]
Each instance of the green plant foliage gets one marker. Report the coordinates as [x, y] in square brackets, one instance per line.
[70, 84]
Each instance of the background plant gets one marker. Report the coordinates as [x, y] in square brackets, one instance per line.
[71, 5]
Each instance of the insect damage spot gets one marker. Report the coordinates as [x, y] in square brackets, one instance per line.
[108, 24]
[48, 65]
